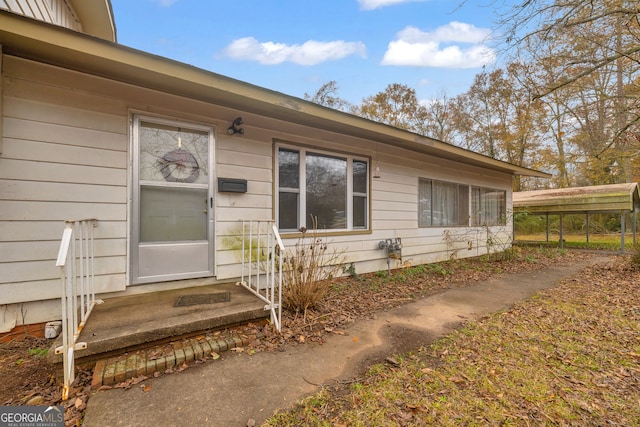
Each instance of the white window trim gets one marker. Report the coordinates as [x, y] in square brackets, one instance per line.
[302, 180]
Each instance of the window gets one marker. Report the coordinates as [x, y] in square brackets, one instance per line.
[332, 188]
[489, 207]
[442, 204]
[173, 176]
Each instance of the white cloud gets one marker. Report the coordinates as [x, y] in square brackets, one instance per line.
[376, 4]
[452, 32]
[309, 53]
[441, 48]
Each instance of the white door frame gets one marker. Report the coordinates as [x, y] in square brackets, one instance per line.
[175, 260]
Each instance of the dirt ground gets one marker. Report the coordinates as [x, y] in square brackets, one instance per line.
[28, 379]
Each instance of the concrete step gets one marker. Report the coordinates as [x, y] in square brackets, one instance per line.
[129, 323]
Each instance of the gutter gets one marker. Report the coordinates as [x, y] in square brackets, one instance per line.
[66, 48]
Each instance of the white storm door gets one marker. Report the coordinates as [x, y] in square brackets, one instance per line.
[172, 215]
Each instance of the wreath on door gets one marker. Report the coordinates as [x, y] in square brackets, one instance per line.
[179, 165]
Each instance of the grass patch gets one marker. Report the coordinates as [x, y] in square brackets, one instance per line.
[576, 241]
[569, 356]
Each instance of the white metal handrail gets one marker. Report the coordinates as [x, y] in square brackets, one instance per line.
[262, 251]
[76, 262]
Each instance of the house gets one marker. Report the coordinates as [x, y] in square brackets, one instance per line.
[168, 158]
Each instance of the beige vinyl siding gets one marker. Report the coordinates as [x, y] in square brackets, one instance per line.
[394, 202]
[60, 161]
[57, 12]
[66, 155]
[241, 158]
[64, 15]
[395, 195]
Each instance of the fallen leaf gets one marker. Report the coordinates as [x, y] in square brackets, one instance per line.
[137, 380]
[355, 339]
[215, 355]
[36, 400]
[146, 388]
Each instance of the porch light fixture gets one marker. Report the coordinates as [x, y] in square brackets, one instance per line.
[377, 172]
[235, 127]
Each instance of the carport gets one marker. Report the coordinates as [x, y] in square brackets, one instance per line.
[615, 198]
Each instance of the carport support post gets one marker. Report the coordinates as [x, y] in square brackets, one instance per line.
[561, 239]
[587, 227]
[622, 226]
[547, 215]
[634, 226]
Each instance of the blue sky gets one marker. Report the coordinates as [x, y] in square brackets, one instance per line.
[294, 46]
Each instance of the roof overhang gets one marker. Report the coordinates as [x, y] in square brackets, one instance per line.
[598, 198]
[96, 17]
[39, 41]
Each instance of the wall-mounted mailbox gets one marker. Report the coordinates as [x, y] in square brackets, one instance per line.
[232, 185]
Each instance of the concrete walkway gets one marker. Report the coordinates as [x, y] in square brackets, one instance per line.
[238, 387]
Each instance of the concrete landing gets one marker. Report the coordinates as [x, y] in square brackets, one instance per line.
[125, 323]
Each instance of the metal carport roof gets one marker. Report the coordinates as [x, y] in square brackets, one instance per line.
[598, 198]
[613, 198]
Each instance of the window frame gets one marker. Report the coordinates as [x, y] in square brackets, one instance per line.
[303, 217]
[459, 215]
[478, 219]
[474, 207]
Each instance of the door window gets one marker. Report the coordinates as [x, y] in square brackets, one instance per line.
[173, 154]
[174, 178]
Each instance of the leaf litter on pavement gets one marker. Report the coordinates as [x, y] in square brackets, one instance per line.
[350, 299]
[568, 356]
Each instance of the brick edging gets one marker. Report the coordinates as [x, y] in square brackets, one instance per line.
[143, 363]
